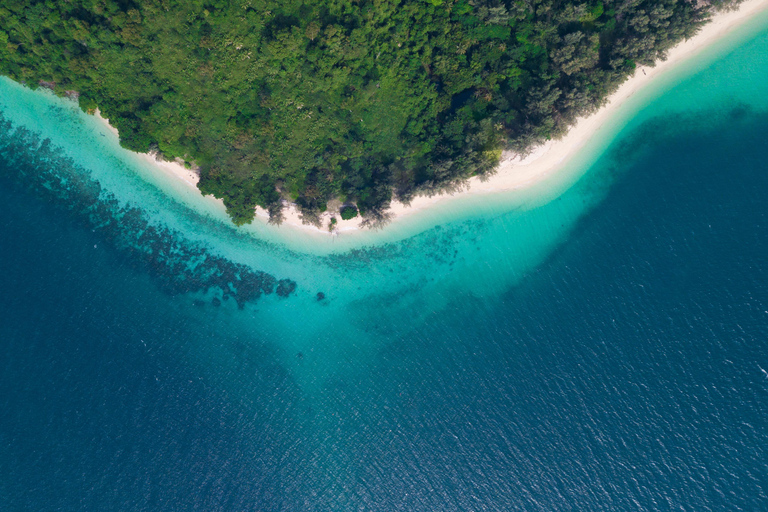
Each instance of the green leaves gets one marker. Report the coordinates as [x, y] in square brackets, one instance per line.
[348, 212]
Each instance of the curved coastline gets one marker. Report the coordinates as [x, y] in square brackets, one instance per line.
[545, 164]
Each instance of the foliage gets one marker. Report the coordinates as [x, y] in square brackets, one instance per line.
[348, 212]
[364, 100]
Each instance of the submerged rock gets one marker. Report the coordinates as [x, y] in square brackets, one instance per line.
[285, 287]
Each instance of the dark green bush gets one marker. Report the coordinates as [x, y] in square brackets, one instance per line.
[348, 212]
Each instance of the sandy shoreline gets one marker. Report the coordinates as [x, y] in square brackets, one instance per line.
[514, 173]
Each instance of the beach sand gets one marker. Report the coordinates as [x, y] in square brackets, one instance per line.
[515, 173]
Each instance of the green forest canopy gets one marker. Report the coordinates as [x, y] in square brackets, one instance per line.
[360, 100]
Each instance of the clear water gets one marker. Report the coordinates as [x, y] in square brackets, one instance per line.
[597, 343]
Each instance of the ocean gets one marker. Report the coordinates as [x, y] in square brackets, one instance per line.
[598, 342]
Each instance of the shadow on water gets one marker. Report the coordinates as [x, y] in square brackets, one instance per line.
[618, 167]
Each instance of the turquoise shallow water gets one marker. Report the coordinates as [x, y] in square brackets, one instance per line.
[599, 346]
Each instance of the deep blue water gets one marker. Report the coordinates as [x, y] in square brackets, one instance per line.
[627, 371]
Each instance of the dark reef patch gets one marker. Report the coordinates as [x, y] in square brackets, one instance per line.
[285, 287]
[177, 264]
[434, 246]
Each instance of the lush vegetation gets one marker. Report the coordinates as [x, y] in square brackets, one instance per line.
[359, 100]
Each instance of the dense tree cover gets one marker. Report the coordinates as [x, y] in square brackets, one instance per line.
[360, 100]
